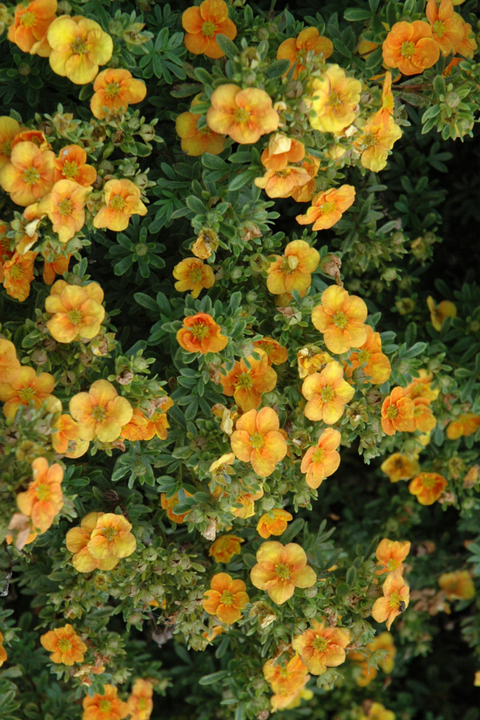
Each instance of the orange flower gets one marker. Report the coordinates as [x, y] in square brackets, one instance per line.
[43, 499]
[65, 645]
[115, 90]
[379, 136]
[71, 165]
[281, 151]
[9, 364]
[283, 183]
[9, 129]
[400, 467]
[273, 523]
[79, 46]
[341, 317]
[77, 540]
[427, 487]
[321, 647]
[29, 174]
[390, 555]
[18, 274]
[158, 424]
[137, 428]
[192, 274]
[304, 48]
[293, 270]
[244, 115]
[202, 25]
[247, 384]
[256, 440]
[397, 413]
[280, 569]
[100, 412]
[3, 652]
[396, 598]
[378, 711]
[54, 265]
[104, 707]
[247, 502]
[206, 243]
[31, 24]
[25, 387]
[77, 311]
[464, 425]
[423, 417]
[276, 353]
[285, 680]
[388, 102]
[5, 252]
[322, 460]
[310, 360]
[35, 136]
[384, 641]
[440, 312]
[195, 142]
[122, 200]
[328, 207]
[226, 598]
[111, 537]
[306, 192]
[169, 503]
[327, 394]
[468, 45]
[65, 206]
[376, 365]
[225, 547]
[457, 585]
[410, 47]
[335, 99]
[200, 333]
[67, 430]
[447, 25]
[140, 703]
[420, 388]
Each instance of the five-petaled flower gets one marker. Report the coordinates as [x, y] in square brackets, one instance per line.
[77, 540]
[65, 645]
[390, 555]
[341, 318]
[43, 498]
[171, 502]
[65, 206]
[378, 137]
[463, 425]
[104, 707]
[226, 598]
[9, 129]
[322, 460]
[327, 394]
[122, 200]
[247, 383]
[321, 647]
[244, 115]
[286, 680]
[111, 537]
[100, 412]
[447, 25]
[9, 363]
[276, 353]
[280, 569]
[193, 274]
[200, 333]
[440, 312]
[397, 412]
[140, 702]
[293, 270]
[225, 547]
[396, 598]
[257, 440]
[29, 174]
[18, 275]
[202, 24]
[307, 46]
[195, 142]
[410, 47]
[25, 387]
[114, 90]
[335, 99]
[400, 467]
[458, 585]
[77, 311]
[273, 522]
[30, 26]
[71, 164]
[282, 151]
[328, 207]
[427, 487]
[79, 46]
[375, 365]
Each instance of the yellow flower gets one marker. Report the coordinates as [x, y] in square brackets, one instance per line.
[440, 312]
[377, 139]
[79, 46]
[458, 585]
[334, 100]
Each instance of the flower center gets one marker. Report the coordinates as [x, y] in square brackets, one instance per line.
[282, 571]
[327, 394]
[244, 380]
[43, 492]
[70, 169]
[7, 147]
[334, 99]
[241, 115]
[363, 356]
[65, 206]
[111, 90]
[109, 533]
[16, 272]
[428, 481]
[369, 140]
[227, 598]
[392, 412]
[395, 600]
[407, 50]
[392, 565]
[257, 441]
[205, 131]
[200, 331]
[104, 705]
[208, 28]
[142, 703]
[75, 316]
[64, 645]
[340, 320]
[31, 176]
[320, 644]
[79, 46]
[439, 28]
[28, 19]
[318, 455]
[27, 394]
[99, 413]
[327, 207]
[196, 275]
[117, 203]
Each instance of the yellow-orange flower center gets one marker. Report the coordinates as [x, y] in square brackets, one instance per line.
[335, 99]
[208, 28]
[290, 263]
[257, 441]
[105, 706]
[340, 320]
[392, 565]
[327, 207]
[244, 380]
[7, 147]
[31, 176]
[26, 394]
[439, 28]
[75, 316]
[199, 331]
[407, 50]
[117, 203]
[196, 275]
[99, 413]
[395, 600]
[327, 394]
[109, 533]
[64, 645]
[79, 46]
[363, 356]
[65, 206]
[111, 90]
[428, 481]
[369, 140]
[318, 455]
[227, 598]
[28, 19]
[42, 491]
[392, 412]
[142, 703]
[70, 169]
[282, 571]
[16, 272]
[320, 644]
[241, 115]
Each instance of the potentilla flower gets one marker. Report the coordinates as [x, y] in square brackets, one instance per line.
[335, 99]
[195, 142]
[169, 503]
[322, 460]
[410, 47]
[137, 428]
[247, 384]
[423, 416]
[377, 139]
[200, 333]
[440, 312]
[226, 598]
[384, 641]
[327, 394]
[244, 115]
[66, 432]
[302, 694]
[464, 425]
[111, 537]
[282, 151]
[276, 353]
[273, 522]
[43, 499]
[104, 707]
[397, 413]
[400, 467]
[65, 206]
[341, 318]
[421, 387]
[140, 702]
[396, 598]
[25, 387]
[71, 164]
[158, 424]
[376, 365]
[447, 26]
[310, 360]
[114, 90]
[458, 585]
[282, 183]
[388, 102]
[37, 137]
[193, 274]
[306, 192]
[225, 547]
[321, 647]
[29, 174]
[280, 569]
[468, 45]
[328, 207]
[122, 200]
[30, 25]
[65, 645]
[427, 487]
[9, 129]
[378, 711]
[3, 652]
[285, 679]
[101, 412]
[77, 311]
[79, 46]
[9, 363]
[18, 275]
[307, 46]
[390, 555]
[293, 270]
[202, 24]
[256, 440]
[54, 264]
[247, 502]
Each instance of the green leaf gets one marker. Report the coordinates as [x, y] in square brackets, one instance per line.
[240, 180]
[216, 676]
[277, 69]
[415, 350]
[145, 301]
[228, 47]
[195, 204]
[357, 15]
